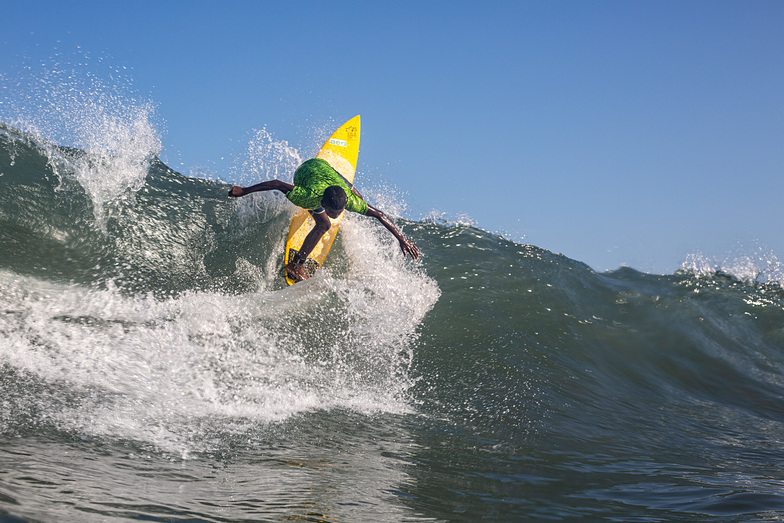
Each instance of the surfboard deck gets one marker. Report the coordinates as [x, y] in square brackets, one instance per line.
[341, 150]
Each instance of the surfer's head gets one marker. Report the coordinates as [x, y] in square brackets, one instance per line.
[334, 200]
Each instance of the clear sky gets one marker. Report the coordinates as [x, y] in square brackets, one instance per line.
[614, 132]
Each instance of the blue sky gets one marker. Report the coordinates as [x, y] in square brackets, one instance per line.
[614, 132]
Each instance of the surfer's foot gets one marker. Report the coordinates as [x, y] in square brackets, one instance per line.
[296, 271]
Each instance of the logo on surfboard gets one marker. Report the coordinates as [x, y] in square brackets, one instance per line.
[341, 143]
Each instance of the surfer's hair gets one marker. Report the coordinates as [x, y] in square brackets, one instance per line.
[334, 197]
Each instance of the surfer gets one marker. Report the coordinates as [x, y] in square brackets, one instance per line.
[325, 193]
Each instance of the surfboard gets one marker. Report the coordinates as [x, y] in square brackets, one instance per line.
[341, 150]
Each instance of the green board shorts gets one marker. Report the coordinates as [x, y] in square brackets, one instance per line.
[312, 178]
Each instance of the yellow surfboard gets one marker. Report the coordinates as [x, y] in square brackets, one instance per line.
[341, 151]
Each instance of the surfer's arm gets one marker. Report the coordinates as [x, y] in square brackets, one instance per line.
[405, 244]
[296, 266]
[270, 185]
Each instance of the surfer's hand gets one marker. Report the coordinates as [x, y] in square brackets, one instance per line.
[296, 271]
[409, 248]
[236, 191]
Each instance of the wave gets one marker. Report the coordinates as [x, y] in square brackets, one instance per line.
[158, 315]
[172, 303]
[172, 259]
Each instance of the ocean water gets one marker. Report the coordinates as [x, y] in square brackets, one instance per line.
[154, 365]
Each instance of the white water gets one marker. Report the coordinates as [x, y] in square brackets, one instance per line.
[758, 265]
[153, 370]
[163, 371]
[71, 105]
[169, 372]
